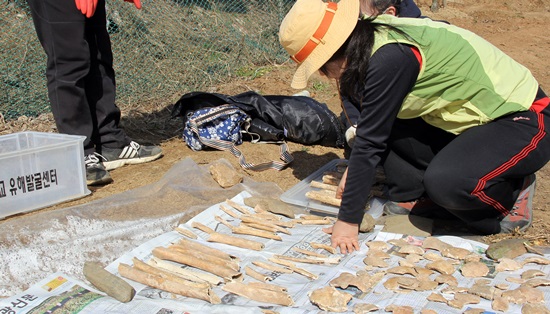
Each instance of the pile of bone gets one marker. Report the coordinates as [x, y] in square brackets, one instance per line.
[441, 261]
[207, 267]
[324, 190]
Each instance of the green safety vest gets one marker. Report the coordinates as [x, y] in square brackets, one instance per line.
[464, 80]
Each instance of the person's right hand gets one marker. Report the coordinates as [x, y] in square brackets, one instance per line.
[342, 185]
[87, 7]
[344, 235]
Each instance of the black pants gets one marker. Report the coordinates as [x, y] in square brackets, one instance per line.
[80, 75]
[476, 175]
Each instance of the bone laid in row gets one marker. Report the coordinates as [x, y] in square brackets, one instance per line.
[248, 230]
[162, 283]
[222, 271]
[228, 239]
[258, 294]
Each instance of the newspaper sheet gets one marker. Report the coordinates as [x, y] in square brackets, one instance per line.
[55, 290]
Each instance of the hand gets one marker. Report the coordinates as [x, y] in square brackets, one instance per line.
[344, 235]
[341, 185]
[87, 7]
[137, 3]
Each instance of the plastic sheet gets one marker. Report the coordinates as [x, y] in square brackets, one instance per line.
[34, 246]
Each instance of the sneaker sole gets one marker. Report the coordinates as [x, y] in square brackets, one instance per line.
[110, 165]
[102, 181]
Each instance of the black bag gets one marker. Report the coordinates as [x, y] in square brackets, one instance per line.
[298, 119]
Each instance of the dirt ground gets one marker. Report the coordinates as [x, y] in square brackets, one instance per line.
[518, 27]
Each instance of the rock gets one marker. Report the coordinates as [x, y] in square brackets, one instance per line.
[509, 248]
[368, 223]
[224, 174]
[272, 205]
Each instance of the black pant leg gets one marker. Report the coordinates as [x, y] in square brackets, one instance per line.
[101, 84]
[67, 39]
[60, 28]
[479, 174]
[412, 145]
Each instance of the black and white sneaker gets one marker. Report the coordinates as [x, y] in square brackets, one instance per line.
[95, 171]
[131, 154]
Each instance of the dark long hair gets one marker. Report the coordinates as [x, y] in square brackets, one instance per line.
[357, 50]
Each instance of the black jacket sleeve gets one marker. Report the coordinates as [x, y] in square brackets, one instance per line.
[393, 70]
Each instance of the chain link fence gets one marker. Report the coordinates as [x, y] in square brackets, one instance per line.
[167, 48]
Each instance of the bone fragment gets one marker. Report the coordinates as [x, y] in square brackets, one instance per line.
[162, 283]
[364, 308]
[260, 295]
[256, 275]
[436, 297]
[248, 230]
[434, 257]
[144, 267]
[294, 268]
[500, 304]
[448, 279]
[229, 211]
[206, 249]
[271, 267]
[185, 273]
[361, 281]
[185, 232]
[443, 266]
[536, 282]
[267, 286]
[228, 239]
[323, 198]
[375, 261]
[534, 309]
[235, 241]
[523, 295]
[532, 273]
[307, 252]
[399, 309]
[536, 260]
[377, 245]
[325, 247]
[505, 264]
[266, 227]
[411, 249]
[311, 259]
[323, 186]
[280, 225]
[330, 299]
[238, 207]
[212, 259]
[202, 227]
[334, 175]
[474, 269]
[224, 272]
[461, 299]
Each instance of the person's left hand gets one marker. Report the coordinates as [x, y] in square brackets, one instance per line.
[137, 3]
[344, 235]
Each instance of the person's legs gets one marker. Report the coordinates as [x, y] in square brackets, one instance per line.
[61, 30]
[480, 174]
[101, 85]
[411, 147]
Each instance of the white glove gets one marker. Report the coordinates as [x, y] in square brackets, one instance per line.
[350, 135]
